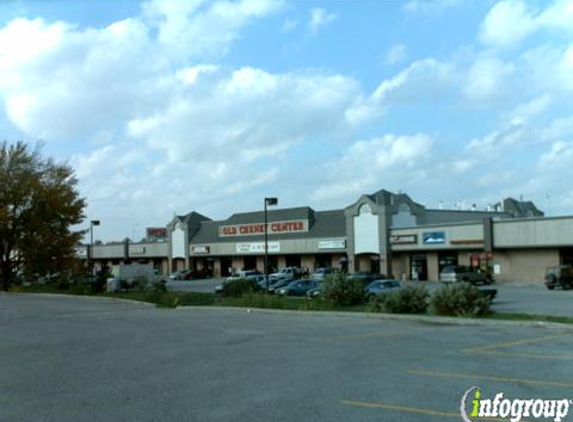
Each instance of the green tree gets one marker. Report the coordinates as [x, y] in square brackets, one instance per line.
[39, 204]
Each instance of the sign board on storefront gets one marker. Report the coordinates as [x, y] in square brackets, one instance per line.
[200, 249]
[277, 227]
[137, 250]
[404, 239]
[332, 244]
[258, 247]
[434, 238]
[156, 232]
[467, 242]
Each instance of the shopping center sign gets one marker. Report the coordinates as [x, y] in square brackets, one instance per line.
[257, 229]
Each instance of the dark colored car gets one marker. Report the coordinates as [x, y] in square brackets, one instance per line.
[559, 276]
[296, 288]
[366, 277]
[381, 287]
[201, 274]
[184, 275]
[277, 285]
[463, 273]
[321, 273]
[315, 291]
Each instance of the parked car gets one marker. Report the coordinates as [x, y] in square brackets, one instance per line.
[288, 273]
[320, 273]
[381, 287]
[201, 274]
[559, 276]
[296, 288]
[273, 287]
[463, 273]
[246, 274]
[316, 291]
[253, 275]
[366, 277]
[180, 275]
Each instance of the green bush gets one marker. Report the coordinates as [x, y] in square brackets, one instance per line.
[237, 288]
[342, 290]
[461, 299]
[98, 283]
[141, 283]
[409, 300]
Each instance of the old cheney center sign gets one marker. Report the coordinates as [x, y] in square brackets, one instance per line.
[276, 227]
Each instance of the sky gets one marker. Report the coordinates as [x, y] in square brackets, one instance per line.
[166, 107]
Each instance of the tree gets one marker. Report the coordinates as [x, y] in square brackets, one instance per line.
[39, 203]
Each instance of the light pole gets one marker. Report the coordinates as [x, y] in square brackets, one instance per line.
[268, 202]
[92, 224]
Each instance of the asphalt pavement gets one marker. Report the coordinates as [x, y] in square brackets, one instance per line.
[90, 359]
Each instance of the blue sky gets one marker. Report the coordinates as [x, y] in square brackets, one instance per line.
[166, 107]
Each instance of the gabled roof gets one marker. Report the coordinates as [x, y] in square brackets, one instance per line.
[322, 224]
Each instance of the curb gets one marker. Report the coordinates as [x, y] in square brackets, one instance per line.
[427, 319]
[83, 297]
[435, 320]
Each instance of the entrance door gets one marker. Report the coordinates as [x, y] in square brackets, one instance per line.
[293, 260]
[566, 255]
[447, 259]
[418, 267]
[323, 261]
[273, 263]
[226, 264]
[250, 262]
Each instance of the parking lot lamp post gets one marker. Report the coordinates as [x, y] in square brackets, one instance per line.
[268, 202]
[91, 254]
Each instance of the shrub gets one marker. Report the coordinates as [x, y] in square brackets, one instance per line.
[237, 288]
[342, 290]
[409, 300]
[461, 299]
[98, 284]
[141, 283]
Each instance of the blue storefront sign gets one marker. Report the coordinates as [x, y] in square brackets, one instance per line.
[434, 238]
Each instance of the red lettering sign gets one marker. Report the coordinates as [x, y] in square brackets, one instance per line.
[255, 229]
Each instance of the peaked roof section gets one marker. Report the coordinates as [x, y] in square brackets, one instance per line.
[273, 215]
[322, 224]
[192, 216]
[521, 208]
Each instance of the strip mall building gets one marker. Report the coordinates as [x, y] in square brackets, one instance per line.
[383, 232]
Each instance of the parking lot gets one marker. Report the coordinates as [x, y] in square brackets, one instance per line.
[512, 297]
[90, 359]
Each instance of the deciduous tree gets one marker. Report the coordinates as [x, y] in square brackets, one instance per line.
[39, 204]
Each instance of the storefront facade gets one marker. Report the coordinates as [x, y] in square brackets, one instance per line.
[383, 232]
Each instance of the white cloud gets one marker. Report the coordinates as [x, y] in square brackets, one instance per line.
[508, 22]
[430, 6]
[247, 113]
[511, 21]
[523, 113]
[423, 80]
[487, 79]
[560, 155]
[368, 165]
[396, 54]
[319, 18]
[289, 24]
[190, 29]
